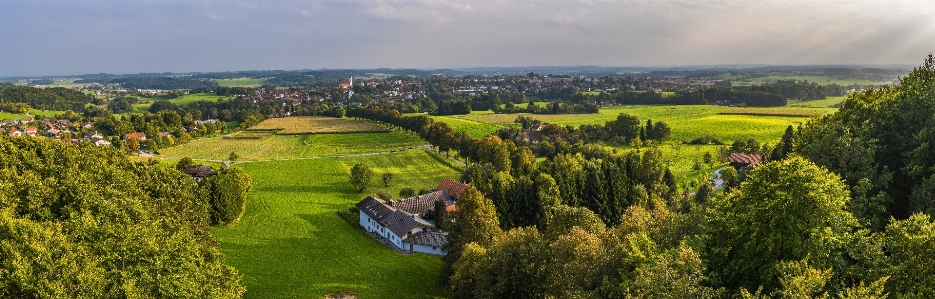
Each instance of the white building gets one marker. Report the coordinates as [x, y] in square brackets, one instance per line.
[409, 223]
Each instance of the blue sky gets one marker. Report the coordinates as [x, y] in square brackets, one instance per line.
[79, 37]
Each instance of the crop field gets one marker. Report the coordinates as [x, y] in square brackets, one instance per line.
[290, 242]
[240, 82]
[773, 112]
[317, 124]
[278, 147]
[687, 121]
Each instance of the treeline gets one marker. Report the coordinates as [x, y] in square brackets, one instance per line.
[760, 95]
[79, 221]
[549, 108]
[166, 83]
[56, 98]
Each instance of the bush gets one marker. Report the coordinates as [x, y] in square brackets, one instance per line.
[351, 215]
[407, 192]
[228, 195]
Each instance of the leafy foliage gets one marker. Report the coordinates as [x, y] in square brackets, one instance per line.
[361, 175]
[84, 222]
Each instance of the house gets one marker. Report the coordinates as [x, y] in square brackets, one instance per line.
[199, 172]
[740, 161]
[31, 131]
[93, 137]
[165, 134]
[454, 189]
[138, 135]
[100, 142]
[407, 223]
[14, 132]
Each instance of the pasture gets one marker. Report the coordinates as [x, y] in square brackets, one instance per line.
[774, 112]
[239, 82]
[828, 102]
[278, 147]
[317, 125]
[290, 242]
[687, 121]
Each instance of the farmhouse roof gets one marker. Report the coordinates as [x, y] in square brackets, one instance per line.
[201, 171]
[375, 208]
[400, 222]
[427, 238]
[137, 135]
[748, 159]
[454, 188]
[425, 202]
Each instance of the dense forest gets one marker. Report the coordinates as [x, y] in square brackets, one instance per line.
[57, 98]
[79, 221]
[166, 83]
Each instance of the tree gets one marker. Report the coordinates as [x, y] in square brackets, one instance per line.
[784, 147]
[133, 225]
[475, 221]
[627, 126]
[660, 132]
[783, 211]
[183, 163]
[233, 156]
[133, 145]
[407, 192]
[361, 175]
[387, 179]
[228, 195]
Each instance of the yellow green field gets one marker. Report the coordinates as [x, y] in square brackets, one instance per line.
[317, 124]
[821, 80]
[687, 121]
[277, 147]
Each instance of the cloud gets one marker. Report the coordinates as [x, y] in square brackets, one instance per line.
[76, 37]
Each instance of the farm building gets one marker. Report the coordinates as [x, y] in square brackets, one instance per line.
[199, 172]
[740, 161]
[410, 223]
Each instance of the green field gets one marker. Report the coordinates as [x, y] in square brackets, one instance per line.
[34, 113]
[240, 82]
[277, 147]
[290, 243]
[317, 124]
[687, 121]
[821, 80]
[830, 101]
[145, 103]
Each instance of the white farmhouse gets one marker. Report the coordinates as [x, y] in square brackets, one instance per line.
[409, 223]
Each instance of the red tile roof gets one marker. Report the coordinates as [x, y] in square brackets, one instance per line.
[454, 188]
[749, 159]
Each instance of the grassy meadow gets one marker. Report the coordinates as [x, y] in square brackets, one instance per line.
[278, 147]
[34, 113]
[830, 101]
[687, 121]
[317, 124]
[290, 243]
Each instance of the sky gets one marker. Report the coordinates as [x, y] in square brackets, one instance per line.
[45, 38]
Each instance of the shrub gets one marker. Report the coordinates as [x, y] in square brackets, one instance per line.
[407, 192]
[228, 195]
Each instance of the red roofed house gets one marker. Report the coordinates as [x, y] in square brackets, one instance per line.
[454, 188]
[31, 131]
[740, 161]
[138, 135]
[14, 132]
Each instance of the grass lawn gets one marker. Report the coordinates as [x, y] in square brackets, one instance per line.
[317, 124]
[198, 97]
[239, 82]
[687, 121]
[277, 147]
[290, 243]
